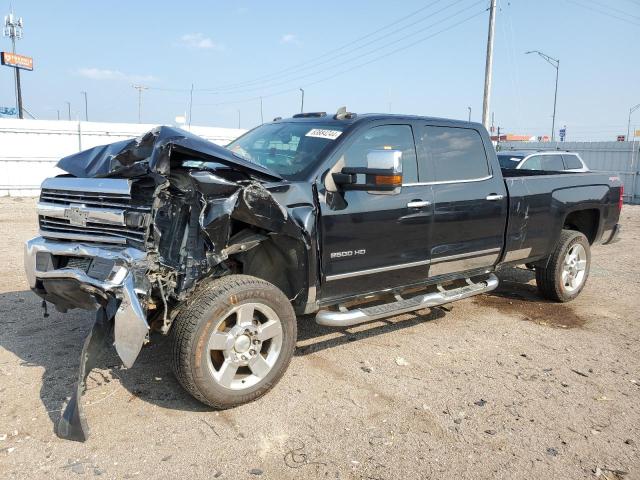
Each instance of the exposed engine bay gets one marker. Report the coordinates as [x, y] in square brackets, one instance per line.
[136, 226]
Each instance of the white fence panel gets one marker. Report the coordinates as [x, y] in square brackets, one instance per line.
[30, 149]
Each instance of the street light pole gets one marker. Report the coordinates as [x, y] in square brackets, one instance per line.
[469, 108]
[69, 109]
[86, 107]
[555, 63]
[302, 101]
[631, 110]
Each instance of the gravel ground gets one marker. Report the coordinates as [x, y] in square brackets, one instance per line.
[504, 385]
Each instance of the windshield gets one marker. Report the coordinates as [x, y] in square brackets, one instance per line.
[288, 149]
[509, 161]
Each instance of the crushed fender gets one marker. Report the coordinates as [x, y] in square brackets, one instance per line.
[194, 211]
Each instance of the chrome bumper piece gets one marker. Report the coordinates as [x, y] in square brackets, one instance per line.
[347, 318]
[125, 281]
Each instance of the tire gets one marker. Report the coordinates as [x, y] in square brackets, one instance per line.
[565, 273]
[234, 341]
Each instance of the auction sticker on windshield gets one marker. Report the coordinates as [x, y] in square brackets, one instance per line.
[321, 133]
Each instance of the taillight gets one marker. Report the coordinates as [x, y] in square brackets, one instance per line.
[620, 199]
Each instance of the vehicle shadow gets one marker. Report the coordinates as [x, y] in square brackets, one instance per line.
[313, 337]
[54, 345]
[515, 284]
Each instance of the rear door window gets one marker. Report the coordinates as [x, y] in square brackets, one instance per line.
[572, 162]
[457, 154]
[552, 163]
[532, 163]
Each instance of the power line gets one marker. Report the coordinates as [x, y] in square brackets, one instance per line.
[262, 82]
[337, 49]
[623, 12]
[359, 56]
[347, 70]
[314, 63]
[603, 12]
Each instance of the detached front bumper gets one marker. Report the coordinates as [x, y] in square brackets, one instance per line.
[73, 275]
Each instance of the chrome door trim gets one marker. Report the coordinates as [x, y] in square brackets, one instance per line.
[477, 253]
[464, 262]
[340, 276]
[445, 182]
[458, 256]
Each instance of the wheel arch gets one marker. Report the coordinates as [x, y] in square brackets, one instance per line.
[585, 221]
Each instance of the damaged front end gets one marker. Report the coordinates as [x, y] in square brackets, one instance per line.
[136, 226]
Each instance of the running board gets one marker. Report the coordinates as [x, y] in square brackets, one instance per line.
[347, 318]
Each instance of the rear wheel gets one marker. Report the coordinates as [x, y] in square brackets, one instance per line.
[234, 341]
[566, 271]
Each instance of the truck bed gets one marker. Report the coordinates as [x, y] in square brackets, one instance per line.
[541, 205]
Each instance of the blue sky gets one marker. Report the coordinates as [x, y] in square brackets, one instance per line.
[243, 50]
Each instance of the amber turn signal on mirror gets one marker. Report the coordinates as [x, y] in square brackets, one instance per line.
[388, 180]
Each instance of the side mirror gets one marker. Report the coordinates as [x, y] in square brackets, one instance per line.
[382, 175]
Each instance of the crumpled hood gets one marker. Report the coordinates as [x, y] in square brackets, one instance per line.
[151, 152]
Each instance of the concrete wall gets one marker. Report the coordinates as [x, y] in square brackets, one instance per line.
[622, 158]
[29, 149]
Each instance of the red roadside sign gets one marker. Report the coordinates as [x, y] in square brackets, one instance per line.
[18, 61]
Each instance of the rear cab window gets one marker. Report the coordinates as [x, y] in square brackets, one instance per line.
[456, 154]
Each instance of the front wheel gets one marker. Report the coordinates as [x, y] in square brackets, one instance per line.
[566, 271]
[234, 341]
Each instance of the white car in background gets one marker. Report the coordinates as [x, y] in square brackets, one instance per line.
[552, 161]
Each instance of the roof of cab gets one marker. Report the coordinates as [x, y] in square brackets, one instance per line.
[526, 153]
[330, 119]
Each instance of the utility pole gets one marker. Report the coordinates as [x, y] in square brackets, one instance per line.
[302, 101]
[13, 30]
[555, 63]
[68, 109]
[488, 70]
[86, 107]
[261, 114]
[190, 105]
[140, 88]
[631, 110]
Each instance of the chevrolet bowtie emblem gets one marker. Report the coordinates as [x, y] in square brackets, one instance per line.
[76, 215]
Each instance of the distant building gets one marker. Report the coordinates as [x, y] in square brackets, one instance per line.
[509, 137]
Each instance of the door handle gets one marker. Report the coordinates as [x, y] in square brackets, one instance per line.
[494, 197]
[418, 204]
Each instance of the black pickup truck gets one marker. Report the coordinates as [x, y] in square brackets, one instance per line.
[348, 217]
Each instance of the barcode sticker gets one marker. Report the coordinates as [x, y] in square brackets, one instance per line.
[321, 133]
